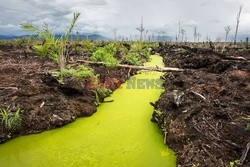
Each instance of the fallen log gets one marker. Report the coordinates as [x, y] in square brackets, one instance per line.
[244, 155]
[235, 58]
[163, 69]
[13, 88]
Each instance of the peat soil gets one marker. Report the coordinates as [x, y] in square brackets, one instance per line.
[26, 83]
[203, 110]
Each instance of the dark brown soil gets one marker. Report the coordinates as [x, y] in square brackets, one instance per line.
[212, 131]
[25, 83]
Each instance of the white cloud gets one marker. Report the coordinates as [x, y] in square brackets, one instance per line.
[8, 26]
[211, 16]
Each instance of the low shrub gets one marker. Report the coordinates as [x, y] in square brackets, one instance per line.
[106, 55]
[89, 47]
[80, 72]
[132, 59]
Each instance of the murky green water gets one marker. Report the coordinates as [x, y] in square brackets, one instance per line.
[119, 134]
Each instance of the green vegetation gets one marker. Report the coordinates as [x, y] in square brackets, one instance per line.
[234, 163]
[133, 59]
[19, 42]
[158, 112]
[49, 47]
[3, 42]
[242, 50]
[154, 45]
[106, 55]
[248, 124]
[121, 49]
[10, 120]
[78, 50]
[54, 48]
[138, 52]
[101, 93]
[142, 49]
[83, 72]
[89, 47]
[80, 72]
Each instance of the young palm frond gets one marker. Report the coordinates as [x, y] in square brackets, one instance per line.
[9, 119]
[30, 27]
[72, 25]
[52, 47]
[63, 42]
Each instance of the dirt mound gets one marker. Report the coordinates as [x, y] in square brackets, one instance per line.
[204, 108]
[25, 83]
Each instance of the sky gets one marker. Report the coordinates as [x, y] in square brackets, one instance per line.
[102, 16]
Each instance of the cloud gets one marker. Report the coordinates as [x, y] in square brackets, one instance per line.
[216, 21]
[8, 26]
[211, 16]
[97, 2]
[205, 3]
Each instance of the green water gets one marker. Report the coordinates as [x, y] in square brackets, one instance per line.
[119, 134]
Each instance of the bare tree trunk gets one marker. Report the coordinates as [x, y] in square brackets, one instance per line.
[61, 57]
[237, 24]
[247, 42]
[179, 32]
[195, 33]
[141, 29]
[115, 33]
[227, 29]
[163, 69]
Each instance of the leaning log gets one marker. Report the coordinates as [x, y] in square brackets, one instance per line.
[235, 58]
[160, 69]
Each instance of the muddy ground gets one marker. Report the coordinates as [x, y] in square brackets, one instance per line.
[204, 108]
[25, 83]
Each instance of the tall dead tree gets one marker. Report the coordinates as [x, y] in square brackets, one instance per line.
[145, 35]
[195, 33]
[237, 23]
[153, 37]
[208, 38]
[247, 39]
[179, 32]
[141, 29]
[115, 33]
[149, 38]
[163, 36]
[227, 29]
[159, 36]
[131, 38]
[198, 36]
[183, 33]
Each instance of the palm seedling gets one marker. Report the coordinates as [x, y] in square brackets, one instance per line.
[9, 119]
[52, 47]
